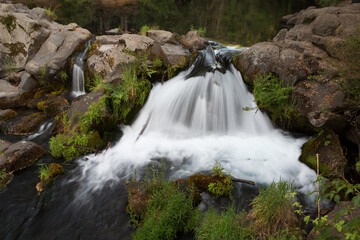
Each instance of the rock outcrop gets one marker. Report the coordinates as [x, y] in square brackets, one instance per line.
[20, 155]
[299, 56]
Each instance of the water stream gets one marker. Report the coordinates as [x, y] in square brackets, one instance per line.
[191, 121]
[198, 118]
[78, 79]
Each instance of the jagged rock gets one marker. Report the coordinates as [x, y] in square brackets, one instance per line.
[193, 40]
[27, 83]
[135, 42]
[162, 36]
[21, 155]
[108, 59]
[50, 60]
[20, 37]
[331, 156]
[9, 95]
[299, 54]
[175, 55]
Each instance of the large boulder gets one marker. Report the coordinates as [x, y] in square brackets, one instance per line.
[193, 40]
[107, 57]
[54, 53]
[175, 55]
[20, 155]
[331, 157]
[25, 125]
[162, 36]
[4, 145]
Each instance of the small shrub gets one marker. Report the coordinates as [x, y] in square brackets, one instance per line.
[227, 225]
[64, 76]
[272, 209]
[201, 30]
[44, 172]
[144, 29]
[271, 96]
[168, 210]
[223, 184]
[51, 14]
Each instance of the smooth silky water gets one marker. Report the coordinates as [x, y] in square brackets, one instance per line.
[190, 121]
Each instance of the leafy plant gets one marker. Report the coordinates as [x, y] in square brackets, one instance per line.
[224, 185]
[201, 30]
[168, 211]
[144, 29]
[44, 172]
[225, 225]
[272, 209]
[51, 13]
[271, 96]
[346, 227]
[2, 173]
[64, 76]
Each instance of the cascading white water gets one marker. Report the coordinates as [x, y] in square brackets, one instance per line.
[78, 79]
[197, 118]
[43, 128]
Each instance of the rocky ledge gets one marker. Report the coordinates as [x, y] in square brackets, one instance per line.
[304, 55]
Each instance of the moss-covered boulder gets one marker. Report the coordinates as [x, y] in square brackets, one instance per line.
[27, 124]
[331, 156]
[7, 114]
[53, 105]
[20, 155]
[48, 174]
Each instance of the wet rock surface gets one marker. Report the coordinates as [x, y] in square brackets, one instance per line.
[20, 155]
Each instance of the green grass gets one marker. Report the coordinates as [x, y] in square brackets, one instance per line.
[226, 225]
[272, 209]
[9, 21]
[169, 211]
[44, 172]
[201, 30]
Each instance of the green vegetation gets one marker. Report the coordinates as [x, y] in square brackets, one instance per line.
[273, 211]
[64, 76]
[51, 14]
[168, 212]
[75, 11]
[345, 227]
[2, 172]
[224, 185]
[9, 21]
[225, 225]
[271, 96]
[201, 30]
[44, 172]
[327, 3]
[122, 98]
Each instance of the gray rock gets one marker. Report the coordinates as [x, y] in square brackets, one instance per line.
[21, 155]
[4, 145]
[9, 95]
[161, 36]
[28, 83]
[175, 55]
[135, 42]
[193, 40]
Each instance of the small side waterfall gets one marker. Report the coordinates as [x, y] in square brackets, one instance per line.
[197, 118]
[78, 79]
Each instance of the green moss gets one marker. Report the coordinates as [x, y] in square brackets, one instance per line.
[15, 48]
[9, 21]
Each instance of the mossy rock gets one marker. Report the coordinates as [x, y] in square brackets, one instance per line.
[56, 170]
[9, 21]
[331, 157]
[138, 197]
[5, 179]
[28, 124]
[7, 114]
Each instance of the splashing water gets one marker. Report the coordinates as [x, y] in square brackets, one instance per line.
[197, 118]
[78, 79]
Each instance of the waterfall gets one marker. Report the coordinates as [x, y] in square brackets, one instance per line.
[197, 118]
[45, 127]
[78, 79]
